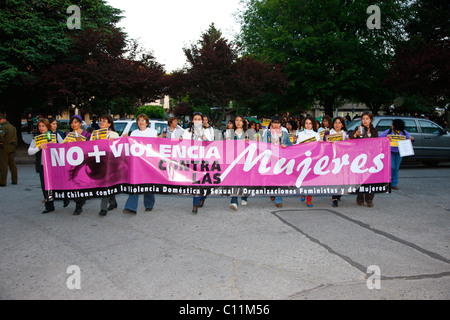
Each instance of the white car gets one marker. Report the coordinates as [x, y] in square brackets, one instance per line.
[126, 126]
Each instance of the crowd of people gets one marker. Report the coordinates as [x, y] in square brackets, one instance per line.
[283, 132]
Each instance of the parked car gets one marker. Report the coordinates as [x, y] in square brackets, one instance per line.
[126, 126]
[432, 142]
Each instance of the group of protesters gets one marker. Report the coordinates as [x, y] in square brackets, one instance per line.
[200, 129]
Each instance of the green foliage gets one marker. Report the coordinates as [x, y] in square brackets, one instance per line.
[151, 111]
[328, 51]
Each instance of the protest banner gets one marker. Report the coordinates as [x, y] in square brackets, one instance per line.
[136, 165]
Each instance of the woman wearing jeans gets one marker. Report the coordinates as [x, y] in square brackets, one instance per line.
[275, 136]
[149, 198]
[196, 131]
[239, 133]
[397, 128]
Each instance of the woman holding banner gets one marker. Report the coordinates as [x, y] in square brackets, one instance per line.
[276, 136]
[397, 129]
[107, 122]
[35, 148]
[366, 130]
[77, 134]
[309, 134]
[196, 131]
[240, 133]
[337, 133]
[149, 198]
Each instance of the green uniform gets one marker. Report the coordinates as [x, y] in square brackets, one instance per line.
[8, 143]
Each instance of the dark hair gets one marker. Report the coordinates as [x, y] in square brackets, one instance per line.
[244, 125]
[328, 118]
[370, 115]
[51, 119]
[398, 124]
[313, 121]
[293, 123]
[344, 127]
[252, 123]
[110, 120]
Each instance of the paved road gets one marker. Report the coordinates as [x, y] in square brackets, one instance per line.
[259, 252]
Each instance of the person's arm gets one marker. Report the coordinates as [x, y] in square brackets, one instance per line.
[32, 149]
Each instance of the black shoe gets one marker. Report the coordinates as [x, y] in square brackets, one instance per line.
[102, 213]
[48, 210]
[201, 203]
[129, 211]
[66, 203]
[112, 207]
[335, 203]
[2, 185]
[13, 182]
[78, 209]
[194, 209]
[148, 209]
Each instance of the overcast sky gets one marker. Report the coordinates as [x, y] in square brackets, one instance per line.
[166, 26]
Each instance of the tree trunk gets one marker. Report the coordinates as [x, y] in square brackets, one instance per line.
[328, 104]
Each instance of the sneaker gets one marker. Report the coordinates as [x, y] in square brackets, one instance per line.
[233, 206]
[148, 209]
[244, 202]
[279, 205]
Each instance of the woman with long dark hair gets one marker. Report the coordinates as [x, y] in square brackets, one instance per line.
[196, 131]
[240, 133]
[309, 134]
[365, 131]
[107, 122]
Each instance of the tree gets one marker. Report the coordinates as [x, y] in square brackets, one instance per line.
[216, 76]
[325, 45]
[34, 35]
[96, 70]
[422, 63]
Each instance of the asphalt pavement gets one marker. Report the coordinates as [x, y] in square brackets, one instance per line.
[399, 249]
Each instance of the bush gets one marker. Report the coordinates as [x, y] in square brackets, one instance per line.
[151, 111]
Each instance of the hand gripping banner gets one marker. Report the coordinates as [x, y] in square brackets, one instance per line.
[137, 165]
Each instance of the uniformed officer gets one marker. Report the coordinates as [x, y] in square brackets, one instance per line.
[8, 144]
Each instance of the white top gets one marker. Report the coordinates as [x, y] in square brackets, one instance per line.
[210, 131]
[176, 133]
[149, 132]
[198, 135]
[306, 134]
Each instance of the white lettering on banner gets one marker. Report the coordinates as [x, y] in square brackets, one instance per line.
[79, 156]
[304, 167]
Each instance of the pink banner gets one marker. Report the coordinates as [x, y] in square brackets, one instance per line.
[137, 165]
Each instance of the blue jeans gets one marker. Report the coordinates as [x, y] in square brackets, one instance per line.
[235, 199]
[396, 160]
[197, 200]
[132, 201]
